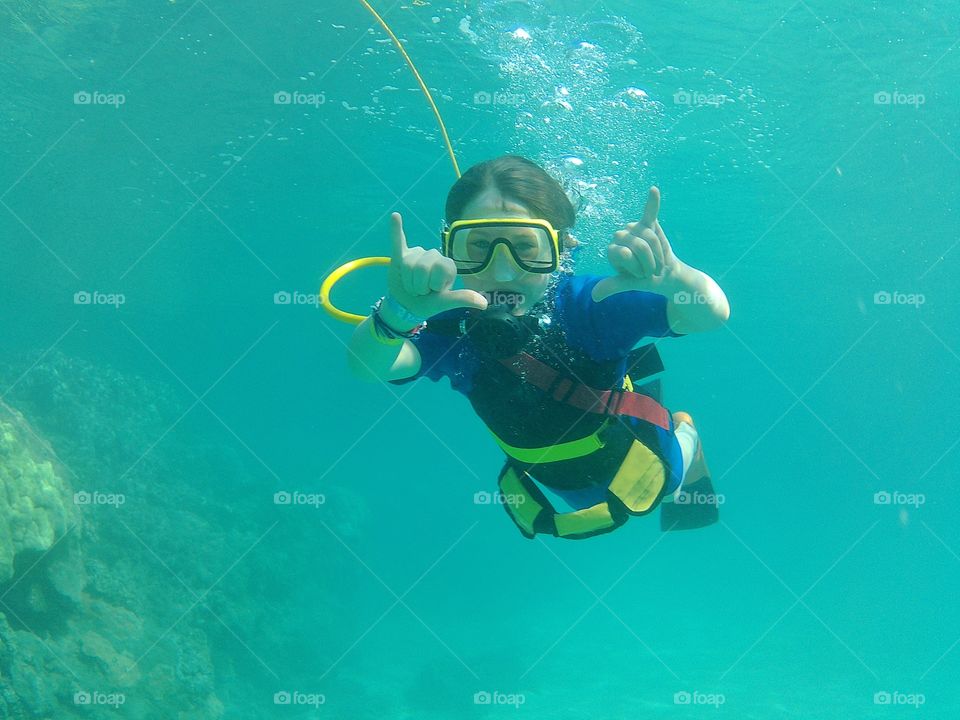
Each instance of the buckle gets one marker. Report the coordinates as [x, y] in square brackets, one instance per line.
[561, 388]
[563, 392]
[615, 398]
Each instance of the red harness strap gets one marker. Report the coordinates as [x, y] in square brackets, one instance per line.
[604, 402]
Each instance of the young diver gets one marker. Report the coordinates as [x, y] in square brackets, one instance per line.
[547, 357]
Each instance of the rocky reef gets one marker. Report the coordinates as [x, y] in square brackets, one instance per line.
[151, 579]
[35, 504]
[73, 623]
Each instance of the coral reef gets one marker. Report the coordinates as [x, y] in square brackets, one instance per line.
[35, 503]
[159, 579]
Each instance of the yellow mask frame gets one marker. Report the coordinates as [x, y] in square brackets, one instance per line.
[449, 232]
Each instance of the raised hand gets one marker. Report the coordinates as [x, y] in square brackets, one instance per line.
[640, 254]
[420, 280]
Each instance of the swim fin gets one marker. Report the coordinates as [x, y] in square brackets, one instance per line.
[695, 506]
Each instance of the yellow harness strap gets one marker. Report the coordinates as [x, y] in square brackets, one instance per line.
[520, 503]
[561, 451]
[525, 502]
[637, 485]
[640, 479]
[555, 453]
[585, 522]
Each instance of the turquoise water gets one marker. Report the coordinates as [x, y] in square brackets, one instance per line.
[807, 155]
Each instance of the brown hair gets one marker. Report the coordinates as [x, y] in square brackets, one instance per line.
[518, 180]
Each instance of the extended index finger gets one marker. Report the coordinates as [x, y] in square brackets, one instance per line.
[399, 240]
[652, 210]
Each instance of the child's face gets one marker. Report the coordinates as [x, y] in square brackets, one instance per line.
[502, 274]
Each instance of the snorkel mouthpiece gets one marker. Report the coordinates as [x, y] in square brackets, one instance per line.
[496, 331]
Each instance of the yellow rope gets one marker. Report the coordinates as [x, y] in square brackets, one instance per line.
[346, 268]
[423, 86]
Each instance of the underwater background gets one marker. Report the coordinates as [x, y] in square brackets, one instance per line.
[204, 515]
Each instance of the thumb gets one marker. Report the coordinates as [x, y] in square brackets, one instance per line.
[652, 208]
[610, 285]
[465, 298]
[398, 239]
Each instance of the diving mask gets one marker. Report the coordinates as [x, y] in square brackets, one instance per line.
[532, 244]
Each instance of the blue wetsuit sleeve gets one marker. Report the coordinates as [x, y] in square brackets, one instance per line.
[612, 327]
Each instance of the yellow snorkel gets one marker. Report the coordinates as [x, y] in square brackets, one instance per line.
[349, 267]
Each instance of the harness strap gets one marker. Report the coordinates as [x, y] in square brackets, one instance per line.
[554, 453]
[603, 402]
[636, 489]
[533, 513]
[639, 482]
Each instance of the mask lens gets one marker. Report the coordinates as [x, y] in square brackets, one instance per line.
[472, 247]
